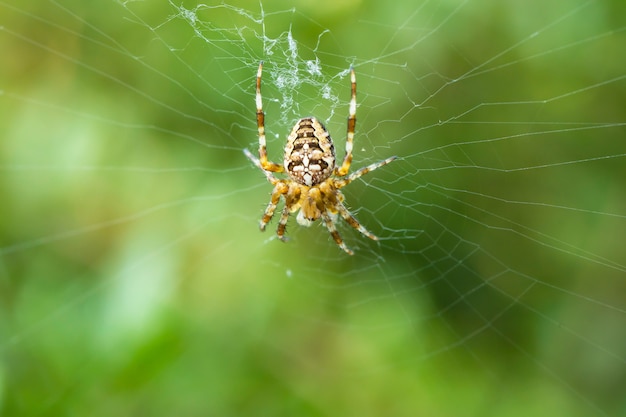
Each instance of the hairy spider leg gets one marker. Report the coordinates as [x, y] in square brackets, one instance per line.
[330, 225]
[282, 223]
[347, 160]
[356, 174]
[270, 177]
[260, 121]
[292, 203]
[352, 221]
[280, 189]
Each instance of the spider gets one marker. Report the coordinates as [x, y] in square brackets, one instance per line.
[313, 186]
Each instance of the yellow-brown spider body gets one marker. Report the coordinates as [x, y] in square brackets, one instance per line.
[313, 186]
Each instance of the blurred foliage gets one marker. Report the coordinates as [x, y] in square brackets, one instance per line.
[133, 278]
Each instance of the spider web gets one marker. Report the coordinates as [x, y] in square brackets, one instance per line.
[132, 268]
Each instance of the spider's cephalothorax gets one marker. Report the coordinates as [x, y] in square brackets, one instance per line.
[313, 186]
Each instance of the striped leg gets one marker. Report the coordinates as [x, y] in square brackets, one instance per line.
[271, 178]
[349, 218]
[280, 189]
[343, 182]
[282, 224]
[330, 225]
[347, 160]
[260, 121]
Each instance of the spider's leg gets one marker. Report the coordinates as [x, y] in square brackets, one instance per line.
[330, 225]
[280, 189]
[292, 203]
[260, 121]
[352, 221]
[270, 177]
[282, 224]
[347, 160]
[356, 174]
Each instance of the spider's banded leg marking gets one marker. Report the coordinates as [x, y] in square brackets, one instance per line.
[280, 189]
[347, 160]
[260, 121]
[282, 224]
[330, 225]
[363, 171]
[352, 221]
[291, 194]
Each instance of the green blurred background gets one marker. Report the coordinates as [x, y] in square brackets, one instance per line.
[133, 277]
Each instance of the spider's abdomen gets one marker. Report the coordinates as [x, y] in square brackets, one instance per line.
[309, 153]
